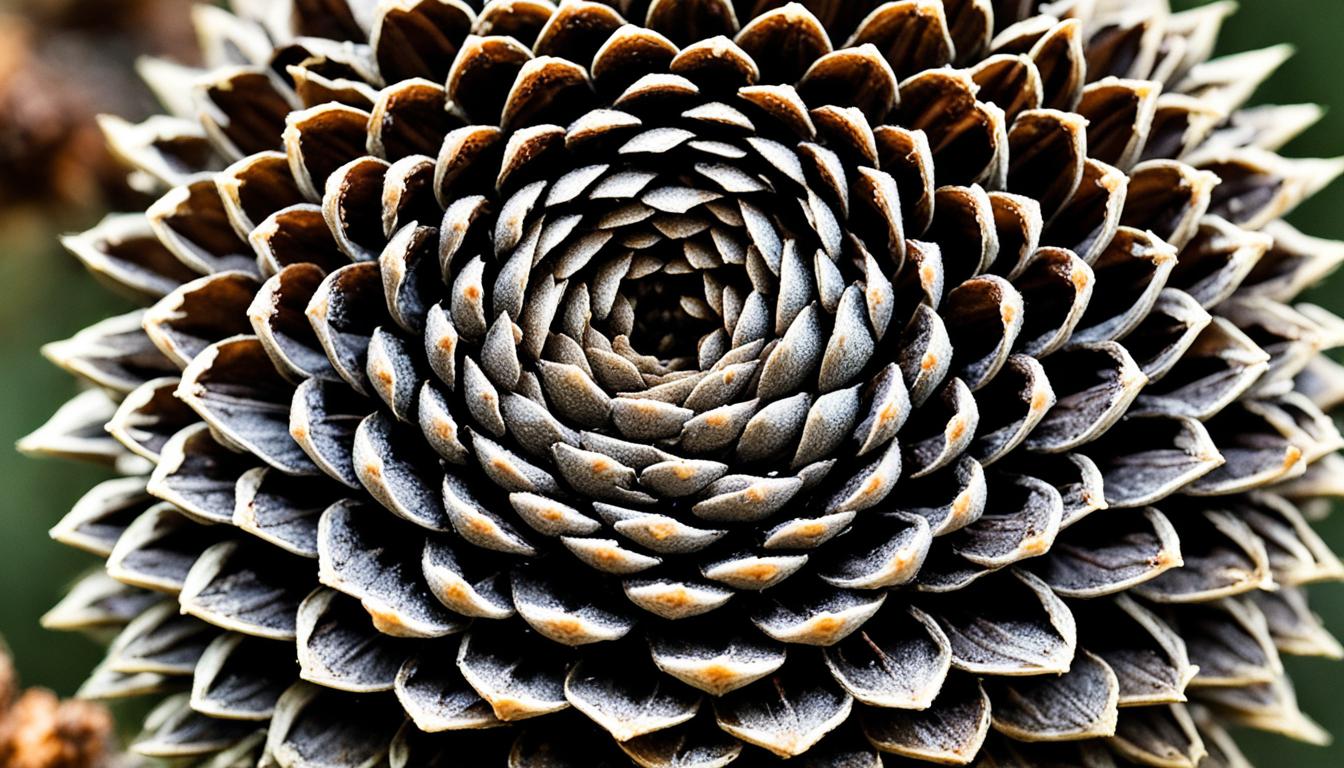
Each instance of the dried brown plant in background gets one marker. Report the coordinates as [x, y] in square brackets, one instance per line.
[38, 730]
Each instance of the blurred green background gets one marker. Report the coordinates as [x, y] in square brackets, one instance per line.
[44, 295]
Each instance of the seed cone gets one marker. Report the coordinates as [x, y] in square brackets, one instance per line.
[61, 63]
[38, 730]
[692, 383]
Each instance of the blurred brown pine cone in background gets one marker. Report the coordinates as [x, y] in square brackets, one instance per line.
[38, 730]
[63, 62]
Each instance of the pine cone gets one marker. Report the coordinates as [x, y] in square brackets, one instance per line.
[62, 62]
[38, 730]
[865, 383]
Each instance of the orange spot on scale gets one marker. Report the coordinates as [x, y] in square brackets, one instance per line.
[299, 433]
[728, 376]
[927, 274]
[888, 413]
[900, 564]
[553, 514]
[472, 292]
[718, 675]
[509, 709]
[661, 531]
[962, 505]
[504, 466]
[383, 375]
[565, 627]
[1039, 401]
[674, 598]
[825, 627]
[929, 362]
[754, 494]
[760, 572]
[956, 429]
[454, 593]
[445, 429]
[386, 621]
[1291, 456]
[373, 469]
[1008, 313]
[811, 530]
[1165, 559]
[447, 344]
[600, 466]
[716, 420]
[873, 485]
[1080, 280]
[481, 524]
[683, 471]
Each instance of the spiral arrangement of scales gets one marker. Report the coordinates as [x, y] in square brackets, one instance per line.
[693, 382]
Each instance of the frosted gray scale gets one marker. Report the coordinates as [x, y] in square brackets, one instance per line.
[707, 383]
[339, 651]
[438, 698]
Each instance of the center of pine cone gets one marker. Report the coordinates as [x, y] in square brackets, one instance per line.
[664, 324]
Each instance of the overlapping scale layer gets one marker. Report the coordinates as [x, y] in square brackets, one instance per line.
[694, 383]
